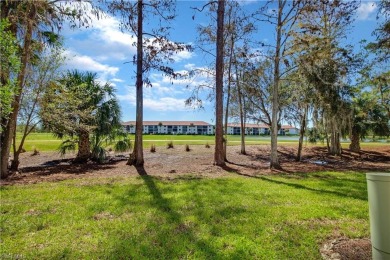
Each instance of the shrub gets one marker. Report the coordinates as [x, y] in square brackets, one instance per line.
[170, 145]
[187, 148]
[207, 145]
[153, 148]
[35, 152]
[123, 144]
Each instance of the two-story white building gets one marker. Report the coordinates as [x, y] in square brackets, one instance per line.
[172, 127]
[201, 128]
[257, 129]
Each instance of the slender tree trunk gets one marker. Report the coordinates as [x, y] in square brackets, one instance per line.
[219, 158]
[15, 161]
[339, 149]
[242, 119]
[301, 134]
[274, 160]
[28, 128]
[355, 140]
[242, 151]
[84, 144]
[137, 157]
[7, 135]
[228, 95]
[226, 123]
[327, 141]
[332, 142]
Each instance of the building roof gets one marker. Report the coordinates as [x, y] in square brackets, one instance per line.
[175, 123]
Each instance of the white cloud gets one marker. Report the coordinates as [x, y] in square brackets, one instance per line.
[246, 2]
[154, 101]
[165, 104]
[365, 10]
[83, 62]
[102, 39]
[183, 55]
[117, 80]
[189, 66]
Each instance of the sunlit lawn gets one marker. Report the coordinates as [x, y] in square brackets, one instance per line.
[47, 142]
[236, 217]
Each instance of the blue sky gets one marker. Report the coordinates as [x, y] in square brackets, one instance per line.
[104, 49]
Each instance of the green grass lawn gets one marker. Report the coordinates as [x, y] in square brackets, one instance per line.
[235, 217]
[47, 142]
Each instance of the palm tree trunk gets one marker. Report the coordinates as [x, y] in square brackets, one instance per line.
[355, 140]
[84, 144]
[219, 158]
[137, 157]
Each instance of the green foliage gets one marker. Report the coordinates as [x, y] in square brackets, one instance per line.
[123, 145]
[9, 68]
[99, 153]
[382, 45]
[77, 103]
[188, 217]
[66, 146]
[370, 116]
[314, 135]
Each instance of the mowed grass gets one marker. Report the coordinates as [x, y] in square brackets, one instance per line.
[234, 217]
[40, 141]
[47, 141]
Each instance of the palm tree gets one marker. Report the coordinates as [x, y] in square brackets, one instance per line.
[108, 128]
[30, 20]
[369, 116]
[78, 107]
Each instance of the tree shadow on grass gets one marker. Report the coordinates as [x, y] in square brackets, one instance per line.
[237, 171]
[354, 189]
[349, 192]
[172, 227]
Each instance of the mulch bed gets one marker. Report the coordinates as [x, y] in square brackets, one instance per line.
[168, 163]
[347, 249]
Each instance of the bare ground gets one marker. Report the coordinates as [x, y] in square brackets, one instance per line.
[169, 163]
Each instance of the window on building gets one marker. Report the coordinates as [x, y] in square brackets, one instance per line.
[152, 129]
[202, 130]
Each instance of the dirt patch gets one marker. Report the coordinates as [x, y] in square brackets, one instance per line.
[171, 163]
[347, 249]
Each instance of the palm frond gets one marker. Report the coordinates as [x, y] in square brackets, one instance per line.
[66, 146]
[123, 145]
[99, 154]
